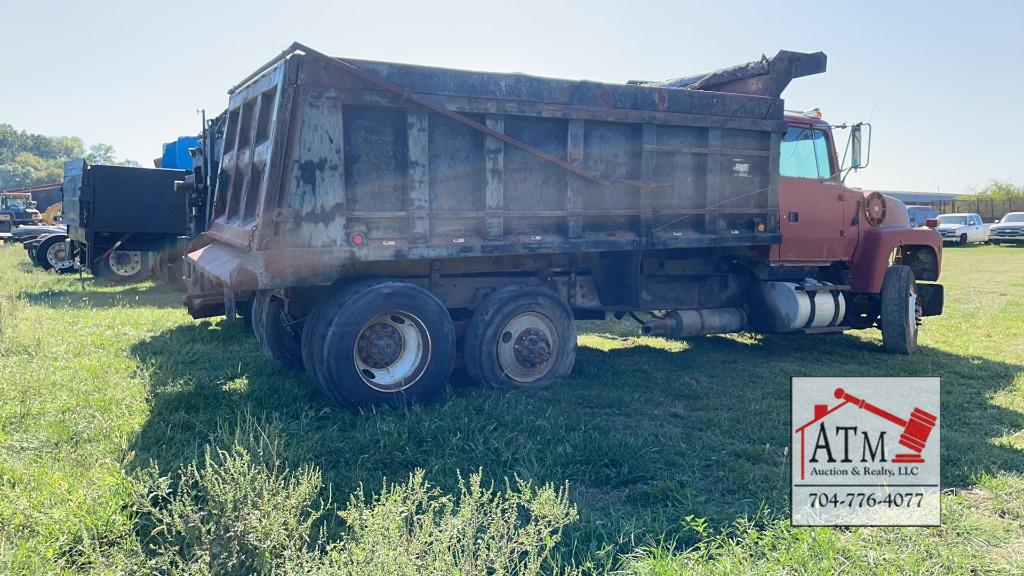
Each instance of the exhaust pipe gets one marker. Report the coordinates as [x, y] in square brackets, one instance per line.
[687, 323]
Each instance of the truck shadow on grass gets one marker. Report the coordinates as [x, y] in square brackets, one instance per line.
[104, 294]
[645, 436]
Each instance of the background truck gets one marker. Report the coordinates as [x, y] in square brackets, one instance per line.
[18, 209]
[1008, 230]
[126, 221]
[123, 222]
[379, 216]
[962, 228]
[19, 206]
[920, 215]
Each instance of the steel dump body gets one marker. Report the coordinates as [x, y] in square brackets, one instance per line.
[122, 200]
[324, 168]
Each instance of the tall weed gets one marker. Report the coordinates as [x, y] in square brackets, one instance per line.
[239, 509]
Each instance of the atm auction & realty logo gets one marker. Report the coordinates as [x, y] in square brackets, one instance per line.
[865, 451]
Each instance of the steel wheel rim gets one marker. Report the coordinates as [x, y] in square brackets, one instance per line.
[527, 347]
[57, 256]
[125, 263]
[391, 351]
[913, 311]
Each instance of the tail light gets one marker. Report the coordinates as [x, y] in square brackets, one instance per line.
[932, 222]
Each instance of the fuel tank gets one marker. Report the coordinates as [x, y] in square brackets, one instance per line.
[791, 306]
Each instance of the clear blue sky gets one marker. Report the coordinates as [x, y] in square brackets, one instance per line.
[941, 82]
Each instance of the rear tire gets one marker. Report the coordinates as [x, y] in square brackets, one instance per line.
[276, 335]
[901, 311]
[382, 342]
[314, 331]
[123, 267]
[521, 337]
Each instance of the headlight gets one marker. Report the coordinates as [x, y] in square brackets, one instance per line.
[5, 217]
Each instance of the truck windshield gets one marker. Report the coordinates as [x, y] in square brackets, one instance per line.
[958, 220]
[1014, 217]
[14, 202]
[804, 154]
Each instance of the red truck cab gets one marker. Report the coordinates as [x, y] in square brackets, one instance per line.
[826, 223]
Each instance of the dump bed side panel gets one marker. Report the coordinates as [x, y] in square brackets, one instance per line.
[136, 200]
[322, 167]
[368, 163]
[122, 200]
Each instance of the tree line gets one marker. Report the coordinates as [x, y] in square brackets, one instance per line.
[28, 159]
[997, 190]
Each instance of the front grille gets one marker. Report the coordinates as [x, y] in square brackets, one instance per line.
[1007, 231]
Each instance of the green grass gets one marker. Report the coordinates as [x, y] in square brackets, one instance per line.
[675, 452]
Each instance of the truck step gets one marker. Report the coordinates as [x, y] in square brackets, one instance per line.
[826, 330]
[820, 287]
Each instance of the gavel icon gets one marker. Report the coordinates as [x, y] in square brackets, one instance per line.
[915, 430]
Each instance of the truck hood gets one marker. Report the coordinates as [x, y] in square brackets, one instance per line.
[1007, 225]
[950, 226]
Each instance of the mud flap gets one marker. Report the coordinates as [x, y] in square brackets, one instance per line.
[931, 296]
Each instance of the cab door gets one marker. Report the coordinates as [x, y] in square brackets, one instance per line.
[978, 228]
[812, 211]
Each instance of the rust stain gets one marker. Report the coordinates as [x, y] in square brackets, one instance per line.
[661, 98]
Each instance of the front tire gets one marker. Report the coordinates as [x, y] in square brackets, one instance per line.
[521, 337]
[901, 311]
[380, 343]
[963, 240]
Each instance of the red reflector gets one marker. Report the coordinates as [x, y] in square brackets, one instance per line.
[357, 239]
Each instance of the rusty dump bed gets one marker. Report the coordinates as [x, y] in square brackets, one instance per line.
[328, 162]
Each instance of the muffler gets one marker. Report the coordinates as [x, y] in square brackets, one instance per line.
[687, 323]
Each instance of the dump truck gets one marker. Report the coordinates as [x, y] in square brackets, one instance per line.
[380, 217]
[123, 222]
[129, 222]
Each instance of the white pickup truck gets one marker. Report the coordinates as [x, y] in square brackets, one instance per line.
[962, 228]
[1009, 230]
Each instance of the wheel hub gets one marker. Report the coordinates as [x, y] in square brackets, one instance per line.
[392, 351]
[380, 345]
[532, 348]
[125, 263]
[58, 256]
[914, 309]
[527, 346]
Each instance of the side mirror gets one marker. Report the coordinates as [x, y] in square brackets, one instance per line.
[996, 221]
[855, 145]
